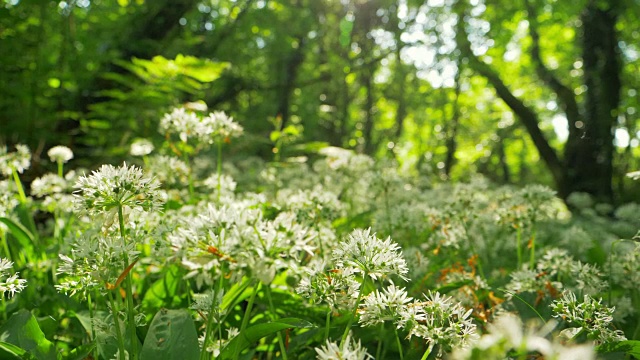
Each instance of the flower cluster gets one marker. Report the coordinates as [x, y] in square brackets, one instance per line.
[111, 187]
[589, 317]
[141, 147]
[60, 154]
[505, 338]
[18, 161]
[188, 125]
[348, 349]
[10, 283]
[367, 254]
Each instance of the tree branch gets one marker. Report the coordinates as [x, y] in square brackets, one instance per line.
[528, 117]
[565, 94]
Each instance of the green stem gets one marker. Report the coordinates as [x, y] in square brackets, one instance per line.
[60, 168]
[129, 291]
[380, 337]
[355, 308]
[395, 331]
[16, 179]
[327, 324]
[613, 244]
[429, 349]
[247, 316]
[519, 247]
[27, 213]
[5, 245]
[189, 177]
[207, 334]
[219, 169]
[283, 349]
[116, 322]
[93, 332]
[532, 258]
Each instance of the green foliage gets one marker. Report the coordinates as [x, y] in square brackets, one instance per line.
[23, 331]
[172, 334]
[259, 331]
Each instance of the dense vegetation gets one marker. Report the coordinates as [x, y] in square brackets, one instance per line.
[399, 180]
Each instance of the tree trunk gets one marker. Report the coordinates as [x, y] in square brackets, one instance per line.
[589, 154]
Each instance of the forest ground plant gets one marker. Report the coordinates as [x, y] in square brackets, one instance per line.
[300, 271]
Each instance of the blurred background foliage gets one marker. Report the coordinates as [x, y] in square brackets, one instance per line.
[521, 91]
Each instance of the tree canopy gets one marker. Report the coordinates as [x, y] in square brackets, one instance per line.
[520, 91]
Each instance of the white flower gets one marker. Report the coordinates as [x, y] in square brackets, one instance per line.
[60, 154]
[369, 255]
[388, 305]
[110, 187]
[20, 160]
[185, 123]
[589, 315]
[47, 185]
[12, 284]
[348, 350]
[222, 126]
[141, 147]
[217, 126]
[505, 335]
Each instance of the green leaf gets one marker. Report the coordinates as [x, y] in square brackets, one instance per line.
[629, 347]
[19, 231]
[10, 351]
[257, 332]
[236, 294]
[81, 352]
[275, 135]
[453, 286]
[310, 147]
[164, 292]
[23, 331]
[172, 335]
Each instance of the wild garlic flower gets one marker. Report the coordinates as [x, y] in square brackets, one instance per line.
[505, 338]
[388, 305]
[10, 283]
[348, 350]
[217, 126]
[371, 256]
[589, 316]
[141, 147]
[169, 170]
[182, 122]
[48, 184]
[221, 126]
[7, 199]
[443, 322]
[335, 287]
[60, 154]
[624, 266]
[95, 260]
[227, 184]
[110, 187]
[215, 346]
[20, 160]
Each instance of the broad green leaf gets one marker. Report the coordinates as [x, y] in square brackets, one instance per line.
[19, 231]
[164, 292]
[257, 332]
[629, 347]
[23, 331]
[172, 335]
